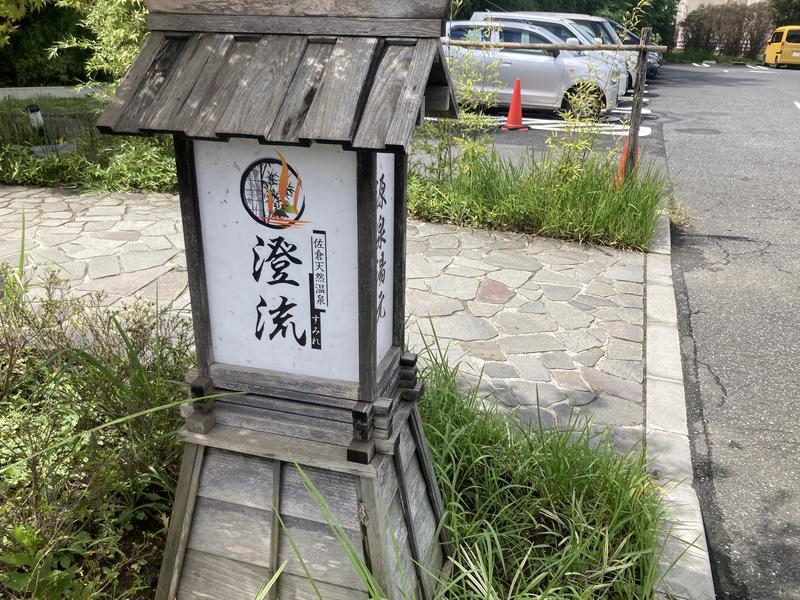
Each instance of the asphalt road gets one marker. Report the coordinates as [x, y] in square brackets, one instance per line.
[732, 137]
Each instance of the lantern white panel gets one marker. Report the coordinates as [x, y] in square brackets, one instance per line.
[280, 243]
[385, 255]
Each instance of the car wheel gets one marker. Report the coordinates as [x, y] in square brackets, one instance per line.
[591, 106]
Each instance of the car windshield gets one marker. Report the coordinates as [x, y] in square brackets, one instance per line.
[595, 29]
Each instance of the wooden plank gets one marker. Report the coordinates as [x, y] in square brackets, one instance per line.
[130, 83]
[380, 9]
[275, 530]
[400, 226]
[297, 426]
[278, 447]
[334, 112]
[195, 257]
[237, 478]
[387, 480]
[408, 105]
[423, 520]
[231, 531]
[384, 94]
[179, 507]
[375, 528]
[406, 495]
[437, 99]
[210, 576]
[339, 26]
[143, 100]
[338, 489]
[175, 92]
[262, 86]
[219, 95]
[366, 214]
[321, 552]
[263, 380]
[301, 93]
[204, 84]
[404, 569]
[185, 524]
[388, 371]
[293, 407]
[295, 587]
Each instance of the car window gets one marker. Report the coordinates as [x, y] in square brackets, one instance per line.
[471, 33]
[793, 36]
[518, 36]
[559, 31]
[596, 29]
[777, 37]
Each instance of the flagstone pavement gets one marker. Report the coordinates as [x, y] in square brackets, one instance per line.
[536, 319]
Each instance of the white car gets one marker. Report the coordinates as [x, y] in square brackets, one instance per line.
[547, 77]
[565, 29]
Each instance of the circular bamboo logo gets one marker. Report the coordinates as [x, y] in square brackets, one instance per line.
[271, 193]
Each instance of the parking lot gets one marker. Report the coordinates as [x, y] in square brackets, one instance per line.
[730, 136]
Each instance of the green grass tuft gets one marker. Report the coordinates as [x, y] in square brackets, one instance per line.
[549, 197]
[538, 513]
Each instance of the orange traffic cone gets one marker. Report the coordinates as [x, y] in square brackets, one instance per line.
[623, 159]
[514, 120]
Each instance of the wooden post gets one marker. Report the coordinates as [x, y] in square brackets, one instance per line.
[636, 109]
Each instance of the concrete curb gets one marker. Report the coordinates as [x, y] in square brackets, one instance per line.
[26, 93]
[666, 432]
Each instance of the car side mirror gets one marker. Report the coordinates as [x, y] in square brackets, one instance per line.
[572, 41]
[598, 41]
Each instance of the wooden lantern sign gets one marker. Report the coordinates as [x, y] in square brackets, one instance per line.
[291, 122]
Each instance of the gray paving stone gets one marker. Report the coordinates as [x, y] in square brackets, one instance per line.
[509, 259]
[661, 306]
[513, 278]
[669, 456]
[632, 273]
[558, 292]
[546, 276]
[603, 290]
[611, 410]
[460, 327]
[568, 317]
[126, 284]
[418, 266]
[622, 330]
[578, 341]
[579, 397]
[594, 301]
[501, 370]
[626, 369]
[103, 266]
[535, 418]
[589, 357]
[105, 211]
[139, 261]
[461, 288]
[624, 350]
[124, 236]
[530, 393]
[167, 288]
[610, 384]
[520, 323]
[462, 271]
[482, 309]
[443, 240]
[557, 360]
[484, 350]
[494, 292]
[569, 380]
[534, 307]
[629, 300]
[626, 287]
[424, 304]
[529, 367]
[505, 396]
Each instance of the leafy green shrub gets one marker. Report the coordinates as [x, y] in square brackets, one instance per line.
[25, 61]
[83, 506]
[558, 198]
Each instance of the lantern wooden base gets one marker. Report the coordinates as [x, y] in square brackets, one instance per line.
[241, 501]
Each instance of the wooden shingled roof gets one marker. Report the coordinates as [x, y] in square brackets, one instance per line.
[285, 73]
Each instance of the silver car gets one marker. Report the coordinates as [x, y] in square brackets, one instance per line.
[547, 77]
[566, 29]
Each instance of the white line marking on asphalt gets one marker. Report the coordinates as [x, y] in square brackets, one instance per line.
[725, 71]
[758, 68]
[625, 110]
[702, 65]
[559, 125]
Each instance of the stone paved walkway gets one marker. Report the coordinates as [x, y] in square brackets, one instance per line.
[541, 319]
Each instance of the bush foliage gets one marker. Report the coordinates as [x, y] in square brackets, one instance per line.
[735, 29]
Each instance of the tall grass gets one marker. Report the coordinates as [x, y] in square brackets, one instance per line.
[538, 513]
[545, 196]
